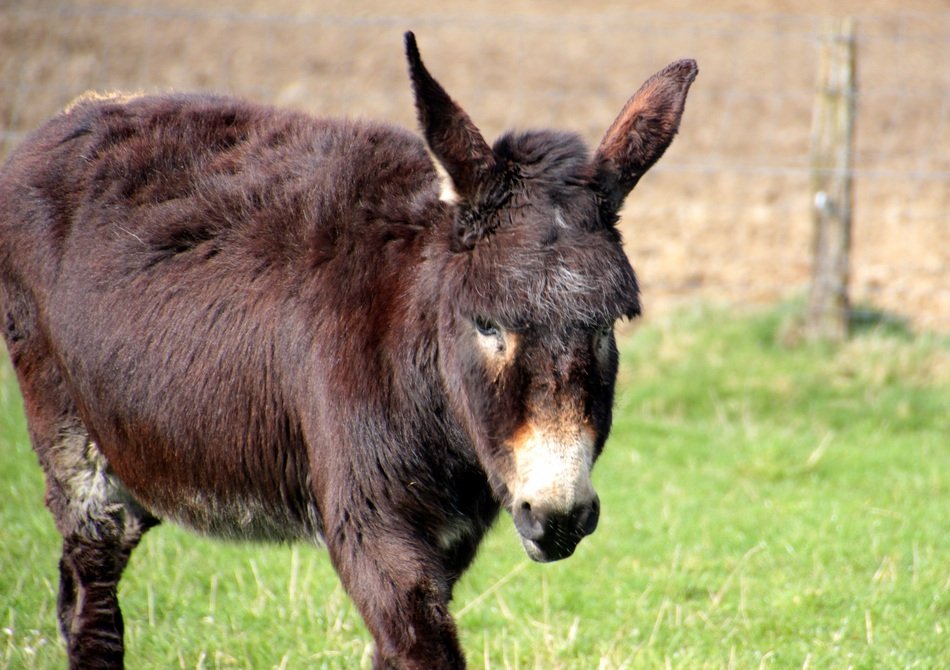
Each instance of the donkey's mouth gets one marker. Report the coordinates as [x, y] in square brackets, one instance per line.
[551, 535]
[544, 552]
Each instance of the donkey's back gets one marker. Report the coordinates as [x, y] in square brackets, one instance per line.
[179, 172]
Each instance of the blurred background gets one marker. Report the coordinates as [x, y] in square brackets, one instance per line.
[723, 218]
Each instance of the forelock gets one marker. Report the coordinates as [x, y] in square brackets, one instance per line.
[550, 258]
[554, 157]
[583, 278]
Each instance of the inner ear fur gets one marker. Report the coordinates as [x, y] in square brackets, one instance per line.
[643, 130]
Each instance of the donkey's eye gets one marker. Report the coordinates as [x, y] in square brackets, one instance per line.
[486, 327]
[602, 337]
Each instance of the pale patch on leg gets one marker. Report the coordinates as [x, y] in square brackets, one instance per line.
[95, 502]
[101, 524]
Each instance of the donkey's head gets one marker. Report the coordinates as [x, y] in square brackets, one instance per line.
[533, 278]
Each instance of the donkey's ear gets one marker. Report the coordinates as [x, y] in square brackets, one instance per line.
[459, 148]
[643, 130]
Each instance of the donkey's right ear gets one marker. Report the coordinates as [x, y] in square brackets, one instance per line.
[463, 158]
[643, 130]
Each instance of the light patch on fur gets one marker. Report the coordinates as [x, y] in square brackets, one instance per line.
[450, 535]
[563, 289]
[499, 350]
[118, 97]
[97, 503]
[447, 191]
[553, 464]
[242, 518]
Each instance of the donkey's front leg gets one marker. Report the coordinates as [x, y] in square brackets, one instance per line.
[402, 590]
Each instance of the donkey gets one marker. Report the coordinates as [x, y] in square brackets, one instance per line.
[267, 326]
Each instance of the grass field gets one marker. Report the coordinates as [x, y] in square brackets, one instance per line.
[766, 504]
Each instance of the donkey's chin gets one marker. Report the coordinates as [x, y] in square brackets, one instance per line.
[547, 554]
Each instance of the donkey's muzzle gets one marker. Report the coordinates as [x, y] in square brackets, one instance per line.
[550, 534]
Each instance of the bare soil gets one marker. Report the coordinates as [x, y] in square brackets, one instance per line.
[724, 217]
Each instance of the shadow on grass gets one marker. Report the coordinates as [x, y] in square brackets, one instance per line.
[789, 323]
[865, 319]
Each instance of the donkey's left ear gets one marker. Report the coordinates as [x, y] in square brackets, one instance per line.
[643, 130]
[459, 148]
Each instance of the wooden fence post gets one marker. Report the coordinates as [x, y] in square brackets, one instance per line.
[831, 152]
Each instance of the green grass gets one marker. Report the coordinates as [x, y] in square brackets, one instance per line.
[765, 505]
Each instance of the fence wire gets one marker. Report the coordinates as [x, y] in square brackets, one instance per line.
[724, 216]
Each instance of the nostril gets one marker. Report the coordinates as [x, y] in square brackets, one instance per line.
[529, 524]
[589, 516]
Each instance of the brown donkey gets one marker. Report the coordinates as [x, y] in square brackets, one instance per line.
[263, 325]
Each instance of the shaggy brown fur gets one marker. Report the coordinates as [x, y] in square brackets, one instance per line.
[264, 325]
